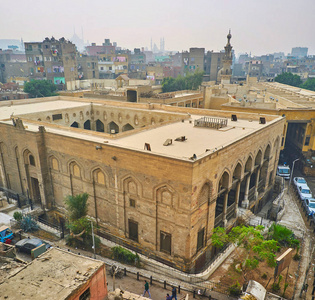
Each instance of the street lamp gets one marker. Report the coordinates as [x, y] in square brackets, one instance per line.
[292, 173]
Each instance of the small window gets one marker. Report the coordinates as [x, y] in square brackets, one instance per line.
[282, 141]
[32, 160]
[200, 239]
[132, 202]
[165, 242]
[85, 295]
[57, 117]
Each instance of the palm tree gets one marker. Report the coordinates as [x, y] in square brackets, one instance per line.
[77, 206]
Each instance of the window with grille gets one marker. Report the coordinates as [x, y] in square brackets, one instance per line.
[133, 230]
[200, 239]
[132, 202]
[165, 242]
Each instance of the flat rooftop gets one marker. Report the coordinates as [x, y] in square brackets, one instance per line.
[53, 275]
[198, 140]
[296, 97]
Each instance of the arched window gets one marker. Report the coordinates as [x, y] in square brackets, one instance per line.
[75, 170]
[54, 164]
[32, 160]
[100, 177]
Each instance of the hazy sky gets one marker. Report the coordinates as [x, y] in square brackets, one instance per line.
[257, 26]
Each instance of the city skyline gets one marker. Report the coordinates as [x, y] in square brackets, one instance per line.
[183, 24]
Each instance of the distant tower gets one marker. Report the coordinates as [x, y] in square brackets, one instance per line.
[224, 75]
[22, 44]
[162, 44]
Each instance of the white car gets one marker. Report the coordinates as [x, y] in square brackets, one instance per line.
[304, 192]
[298, 181]
[310, 204]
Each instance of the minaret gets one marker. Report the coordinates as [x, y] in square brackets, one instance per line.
[226, 72]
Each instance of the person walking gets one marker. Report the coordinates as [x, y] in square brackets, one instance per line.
[146, 289]
[174, 293]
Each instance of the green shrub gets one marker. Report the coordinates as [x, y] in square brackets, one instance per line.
[17, 216]
[276, 285]
[283, 235]
[235, 289]
[28, 224]
[125, 255]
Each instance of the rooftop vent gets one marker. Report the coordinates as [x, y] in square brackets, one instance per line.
[168, 142]
[211, 122]
[181, 139]
[147, 147]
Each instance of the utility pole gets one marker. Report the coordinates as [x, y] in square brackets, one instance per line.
[292, 174]
[93, 240]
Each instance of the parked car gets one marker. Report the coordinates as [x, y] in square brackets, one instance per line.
[298, 181]
[283, 171]
[5, 234]
[27, 245]
[304, 192]
[310, 205]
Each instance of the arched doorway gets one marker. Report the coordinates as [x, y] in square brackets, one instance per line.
[87, 125]
[233, 197]
[99, 126]
[221, 203]
[243, 200]
[75, 125]
[127, 127]
[113, 128]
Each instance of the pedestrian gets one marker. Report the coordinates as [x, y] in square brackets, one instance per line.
[168, 297]
[146, 289]
[174, 293]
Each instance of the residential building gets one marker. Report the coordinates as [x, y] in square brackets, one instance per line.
[87, 67]
[58, 274]
[12, 63]
[193, 60]
[112, 65]
[299, 52]
[52, 59]
[137, 65]
[105, 48]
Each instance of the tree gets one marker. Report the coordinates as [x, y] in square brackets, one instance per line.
[257, 248]
[79, 224]
[309, 84]
[289, 78]
[77, 206]
[188, 82]
[40, 88]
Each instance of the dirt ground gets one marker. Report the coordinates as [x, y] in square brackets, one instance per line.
[228, 274]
